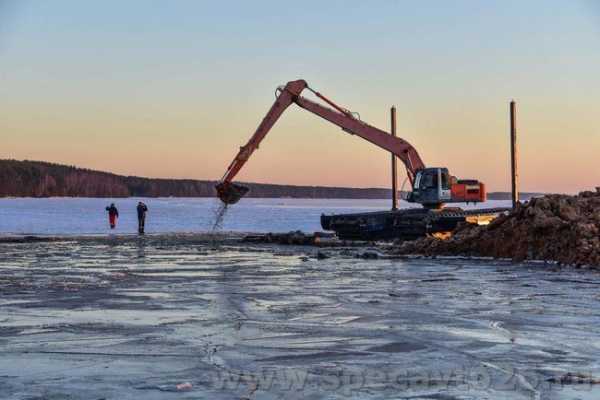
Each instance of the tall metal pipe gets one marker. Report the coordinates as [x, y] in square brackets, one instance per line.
[514, 171]
[394, 167]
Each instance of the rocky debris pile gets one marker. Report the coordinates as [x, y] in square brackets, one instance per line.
[294, 237]
[322, 239]
[559, 228]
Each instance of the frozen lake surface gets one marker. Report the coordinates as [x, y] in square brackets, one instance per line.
[133, 318]
[81, 216]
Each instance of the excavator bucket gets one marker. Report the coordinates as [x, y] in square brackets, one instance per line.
[230, 193]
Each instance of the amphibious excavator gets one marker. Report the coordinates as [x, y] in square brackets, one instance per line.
[432, 187]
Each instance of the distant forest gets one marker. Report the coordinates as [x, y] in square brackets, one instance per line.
[43, 179]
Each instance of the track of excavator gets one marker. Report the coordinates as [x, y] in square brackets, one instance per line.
[407, 224]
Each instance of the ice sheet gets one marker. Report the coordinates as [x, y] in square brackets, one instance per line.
[79, 216]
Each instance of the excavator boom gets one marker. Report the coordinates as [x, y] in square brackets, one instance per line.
[230, 193]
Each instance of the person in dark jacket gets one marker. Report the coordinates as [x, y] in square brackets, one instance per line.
[113, 214]
[142, 209]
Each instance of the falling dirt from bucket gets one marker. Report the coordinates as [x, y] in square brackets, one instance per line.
[219, 212]
[229, 193]
[218, 217]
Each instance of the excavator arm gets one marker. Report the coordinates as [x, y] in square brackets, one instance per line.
[230, 193]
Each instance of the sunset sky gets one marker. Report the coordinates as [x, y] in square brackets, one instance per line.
[172, 89]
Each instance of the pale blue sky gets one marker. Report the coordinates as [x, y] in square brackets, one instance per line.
[180, 85]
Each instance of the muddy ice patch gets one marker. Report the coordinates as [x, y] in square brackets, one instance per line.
[397, 347]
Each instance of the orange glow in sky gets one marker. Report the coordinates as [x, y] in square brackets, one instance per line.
[173, 90]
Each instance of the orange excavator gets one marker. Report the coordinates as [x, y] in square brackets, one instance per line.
[431, 186]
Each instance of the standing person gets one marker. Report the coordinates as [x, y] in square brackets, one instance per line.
[113, 214]
[142, 209]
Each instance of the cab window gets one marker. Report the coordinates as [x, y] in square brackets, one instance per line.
[445, 181]
[418, 181]
[429, 180]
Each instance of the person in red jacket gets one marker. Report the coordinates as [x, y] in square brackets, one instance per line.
[113, 214]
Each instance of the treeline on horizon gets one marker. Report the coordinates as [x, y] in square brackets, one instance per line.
[44, 179]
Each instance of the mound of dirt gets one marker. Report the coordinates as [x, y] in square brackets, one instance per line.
[558, 228]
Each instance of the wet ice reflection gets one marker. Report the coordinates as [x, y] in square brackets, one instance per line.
[131, 319]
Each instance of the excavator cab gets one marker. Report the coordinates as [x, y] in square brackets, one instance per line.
[435, 186]
[431, 187]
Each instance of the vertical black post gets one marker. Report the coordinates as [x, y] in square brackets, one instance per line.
[513, 155]
[394, 169]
